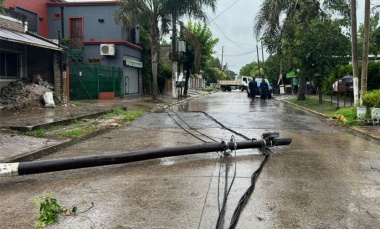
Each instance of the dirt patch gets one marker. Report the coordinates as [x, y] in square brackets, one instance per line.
[20, 95]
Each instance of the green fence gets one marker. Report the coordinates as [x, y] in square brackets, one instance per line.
[87, 81]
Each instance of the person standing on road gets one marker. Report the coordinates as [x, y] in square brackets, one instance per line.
[252, 88]
[295, 85]
[308, 87]
[264, 88]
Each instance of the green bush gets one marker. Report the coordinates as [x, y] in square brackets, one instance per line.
[372, 99]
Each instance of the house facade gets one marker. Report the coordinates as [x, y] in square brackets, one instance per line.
[36, 13]
[24, 54]
[94, 42]
[90, 29]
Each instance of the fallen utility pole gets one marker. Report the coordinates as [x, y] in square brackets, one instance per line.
[33, 167]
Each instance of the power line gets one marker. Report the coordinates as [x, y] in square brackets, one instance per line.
[224, 10]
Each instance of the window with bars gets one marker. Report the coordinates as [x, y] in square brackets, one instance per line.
[94, 61]
[32, 19]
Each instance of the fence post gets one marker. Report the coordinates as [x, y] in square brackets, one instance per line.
[113, 77]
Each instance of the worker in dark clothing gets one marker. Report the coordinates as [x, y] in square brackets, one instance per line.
[264, 88]
[252, 88]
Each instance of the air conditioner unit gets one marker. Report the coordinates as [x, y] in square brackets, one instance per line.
[107, 49]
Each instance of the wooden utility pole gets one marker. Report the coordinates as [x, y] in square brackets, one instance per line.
[221, 64]
[34, 167]
[354, 39]
[365, 51]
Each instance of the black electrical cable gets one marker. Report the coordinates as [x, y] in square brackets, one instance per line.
[219, 223]
[194, 128]
[239, 134]
[178, 124]
[243, 200]
[226, 192]
[249, 191]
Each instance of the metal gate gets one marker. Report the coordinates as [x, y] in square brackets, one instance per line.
[131, 80]
[87, 81]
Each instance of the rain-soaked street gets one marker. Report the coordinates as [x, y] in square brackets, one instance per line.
[328, 177]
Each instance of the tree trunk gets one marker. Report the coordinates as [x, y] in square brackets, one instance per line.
[174, 56]
[365, 51]
[154, 40]
[354, 34]
[301, 87]
[187, 78]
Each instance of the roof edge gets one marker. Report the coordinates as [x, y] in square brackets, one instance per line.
[117, 42]
[100, 3]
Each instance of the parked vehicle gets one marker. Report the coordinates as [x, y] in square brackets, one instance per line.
[258, 81]
[240, 82]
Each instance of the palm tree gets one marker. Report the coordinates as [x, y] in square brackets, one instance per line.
[267, 22]
[131, 13]
[267, 19]
[178, 9]
[154, 12]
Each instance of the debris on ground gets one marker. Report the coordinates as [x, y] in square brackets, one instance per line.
[20, 95]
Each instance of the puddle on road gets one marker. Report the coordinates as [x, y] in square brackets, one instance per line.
[245, 152]
[166, 162]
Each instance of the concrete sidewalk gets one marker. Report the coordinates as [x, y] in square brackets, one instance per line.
[15, 146]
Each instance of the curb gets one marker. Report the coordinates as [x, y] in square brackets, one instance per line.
[64, 122]
[365, 133]
[50, 150]
[304, 108]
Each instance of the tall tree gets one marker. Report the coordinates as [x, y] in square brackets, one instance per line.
[131, 13]
[373, 42]
[200, 47]
[267, 23]
[247, 69]
[306, 11]
[320, 49]
[280, 38]
[178, 9]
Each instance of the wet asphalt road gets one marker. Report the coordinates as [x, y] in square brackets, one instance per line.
[327, 178]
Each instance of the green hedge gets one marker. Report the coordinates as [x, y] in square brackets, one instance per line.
[372, 99]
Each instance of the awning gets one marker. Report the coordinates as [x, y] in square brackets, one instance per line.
[291, 75]
[133, 63]
[28, 39]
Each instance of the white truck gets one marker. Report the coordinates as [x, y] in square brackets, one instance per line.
[240, 82]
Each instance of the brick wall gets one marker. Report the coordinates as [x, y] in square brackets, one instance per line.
[12, 24]
[59, 81]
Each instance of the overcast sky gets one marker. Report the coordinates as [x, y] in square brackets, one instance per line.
[232, 23]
